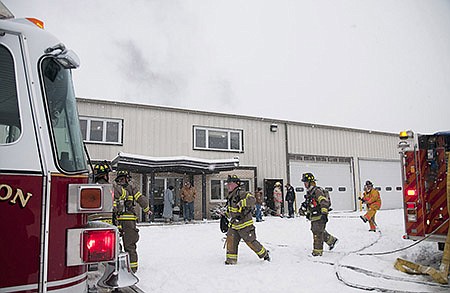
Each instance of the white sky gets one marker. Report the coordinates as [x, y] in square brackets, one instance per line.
[377, 65]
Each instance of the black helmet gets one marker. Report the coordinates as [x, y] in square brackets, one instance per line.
[123, 173]
[233, 178]
[101, 168]
[308, 177]
[369, 183]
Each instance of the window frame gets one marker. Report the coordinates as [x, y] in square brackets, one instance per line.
[228, 131]
[105, 121]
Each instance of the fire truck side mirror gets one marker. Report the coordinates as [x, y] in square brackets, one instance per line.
[90, 198]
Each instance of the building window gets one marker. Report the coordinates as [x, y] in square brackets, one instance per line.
[219, 190]
[342, 189]
[388, 188]
[218, 139]
[100, 130]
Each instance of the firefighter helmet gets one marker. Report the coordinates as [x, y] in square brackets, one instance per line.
[277, 184]
[233, 178]
[369, 183]
[101, 168]
[123, 173]
[308, 177]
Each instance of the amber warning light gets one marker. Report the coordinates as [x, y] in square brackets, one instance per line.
[99, 245]
[91, 198]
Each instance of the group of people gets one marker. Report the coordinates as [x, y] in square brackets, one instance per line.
[240, 207]
[188, 194]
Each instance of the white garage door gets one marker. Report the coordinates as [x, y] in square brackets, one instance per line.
[336, 177]
[386, 176]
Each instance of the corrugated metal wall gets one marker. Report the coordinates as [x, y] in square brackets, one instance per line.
[161, 131]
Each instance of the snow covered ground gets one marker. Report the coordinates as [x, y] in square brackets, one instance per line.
[190, 258]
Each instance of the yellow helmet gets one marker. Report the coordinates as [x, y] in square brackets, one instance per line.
[277, 184]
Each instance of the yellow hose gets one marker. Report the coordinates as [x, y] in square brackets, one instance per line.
[440, 276]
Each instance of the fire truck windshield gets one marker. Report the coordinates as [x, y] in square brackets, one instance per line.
[63, 116]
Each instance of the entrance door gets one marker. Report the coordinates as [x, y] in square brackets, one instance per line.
[269, 185]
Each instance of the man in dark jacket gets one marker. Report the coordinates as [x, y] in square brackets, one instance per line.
[240, 207]
[290, 198]
[315, 208]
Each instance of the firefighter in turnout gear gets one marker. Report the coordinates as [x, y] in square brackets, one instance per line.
[371, 197]
[315, 207]
[126, 197]
[101, 176]
[240, 206]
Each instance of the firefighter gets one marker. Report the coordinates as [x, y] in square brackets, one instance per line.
[240, 206]
[315, 207]
[101, 176]
[371, 197]
[126, 196]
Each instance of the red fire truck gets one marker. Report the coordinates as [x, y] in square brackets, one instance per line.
[424, 172]
[46, 242]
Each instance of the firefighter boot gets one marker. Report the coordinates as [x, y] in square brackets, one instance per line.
[363, 219]
[333, 243]
[267, 257]
[317, 252]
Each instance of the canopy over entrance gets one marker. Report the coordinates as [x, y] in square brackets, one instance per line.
[179, 164]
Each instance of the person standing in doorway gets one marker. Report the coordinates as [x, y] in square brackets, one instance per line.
[259, 201]
[277, 198]
[188, 195]
[168, 204]
[315, 208]
[126, 196]
[371, 197]
[290, 198]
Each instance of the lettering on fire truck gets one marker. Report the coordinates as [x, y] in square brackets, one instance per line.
[6, 193]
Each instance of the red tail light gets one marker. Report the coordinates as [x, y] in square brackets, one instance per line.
[99, 245]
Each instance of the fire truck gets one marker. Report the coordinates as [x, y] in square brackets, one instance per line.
[424, 161]
[46, 241]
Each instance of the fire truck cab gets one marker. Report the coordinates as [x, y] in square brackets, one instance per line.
[46, 241]
[424, 161]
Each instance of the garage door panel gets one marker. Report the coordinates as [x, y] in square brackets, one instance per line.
[336, 177]
[386, 176]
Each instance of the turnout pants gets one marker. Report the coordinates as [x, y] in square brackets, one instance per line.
[370, 216]
[130, 238]
[248, 234]
[320, 235]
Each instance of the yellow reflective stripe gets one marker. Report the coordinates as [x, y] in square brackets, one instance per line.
[137, 195]
[316, 218]
[127, 218]
[114, 204]
[232, 256]
[124, 193]
[243, 225]
[134, 264]
[324, 210]
[234, 210]
[146, 209]
[320, 198]
[244, 202]
[318, 250]
[262, 251]
[129, 197]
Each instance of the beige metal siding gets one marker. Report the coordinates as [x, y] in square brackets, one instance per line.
[341, 142]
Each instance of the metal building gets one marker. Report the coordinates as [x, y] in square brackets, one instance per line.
[167, 146]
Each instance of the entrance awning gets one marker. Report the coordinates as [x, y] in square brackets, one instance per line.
[179, 164]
